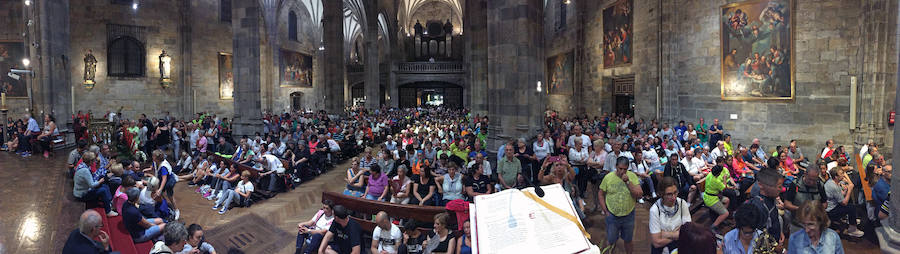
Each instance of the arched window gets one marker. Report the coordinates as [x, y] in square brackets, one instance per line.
[225, 11]
[126, 57]
[292, 25]
[563, 6]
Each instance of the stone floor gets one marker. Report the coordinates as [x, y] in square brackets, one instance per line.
[39, 211]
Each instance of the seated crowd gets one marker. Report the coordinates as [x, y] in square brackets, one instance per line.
[434, 157]
[678, 169]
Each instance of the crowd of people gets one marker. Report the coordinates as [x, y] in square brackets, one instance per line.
[755, 197]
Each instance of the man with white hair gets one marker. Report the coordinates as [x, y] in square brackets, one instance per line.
[719, 151]
[25, 139]
[81, 240]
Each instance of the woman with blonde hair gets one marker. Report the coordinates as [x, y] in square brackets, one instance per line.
[815, 237]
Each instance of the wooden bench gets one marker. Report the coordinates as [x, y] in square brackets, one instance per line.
[419, 213]
[61, 141]
[215, 158]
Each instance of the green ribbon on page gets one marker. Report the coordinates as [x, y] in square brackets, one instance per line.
[556, 210]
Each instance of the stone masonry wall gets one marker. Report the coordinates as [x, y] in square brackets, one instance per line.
[561, 41]
[825, 39]
[135, 95]
[210, 36]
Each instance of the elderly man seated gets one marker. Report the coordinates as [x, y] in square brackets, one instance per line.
[81, 240]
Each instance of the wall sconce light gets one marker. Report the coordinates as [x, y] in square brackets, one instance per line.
[26, 62]
[539, 88]
[27, 2]
[165, 69]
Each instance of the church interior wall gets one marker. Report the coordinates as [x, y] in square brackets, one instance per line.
[210, 37]
[308, 38]
[561, 40]
[135, 95]
[824, 57]
[11, 20]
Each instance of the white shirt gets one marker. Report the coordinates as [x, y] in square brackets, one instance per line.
[273, 163]
[577, 157]
[688, 134]
[387, 241]
[485, 164]
[652, 157]
[324, 222]
[716, 153]
[541, 152]
[694, 165]
[245, 187]
[660, 222]
[585, 141]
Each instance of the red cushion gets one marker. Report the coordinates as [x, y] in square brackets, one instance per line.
[144, 247]
[119, 237]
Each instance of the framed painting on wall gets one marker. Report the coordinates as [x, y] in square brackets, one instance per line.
[617, 27]
[226, 77]
[561, 74]
[11, 55]
[757, 50]
[296, 69]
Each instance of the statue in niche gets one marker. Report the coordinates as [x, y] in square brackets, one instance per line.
[418, 28]
[90, 68]
[448, 28]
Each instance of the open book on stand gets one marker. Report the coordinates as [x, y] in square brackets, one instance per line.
[518, 221]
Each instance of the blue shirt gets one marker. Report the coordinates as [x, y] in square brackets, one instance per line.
[733, 242]
[829, 243]
[132, 218]
[880, 191]
[33, 125]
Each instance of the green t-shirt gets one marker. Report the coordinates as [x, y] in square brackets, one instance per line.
[619, 201]
[612, 127]
[714, 185]
[701, 132]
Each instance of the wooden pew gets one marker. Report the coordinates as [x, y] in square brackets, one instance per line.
[419, 213]
[215, 158]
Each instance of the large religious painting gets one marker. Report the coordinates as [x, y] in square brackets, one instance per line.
[561, 73]
[617, 34]
[226, 77]
[757, 50]
[11, 55]
[296, 69]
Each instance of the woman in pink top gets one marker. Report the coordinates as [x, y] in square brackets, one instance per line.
[201, 142]
[120, 197]
[378, 182]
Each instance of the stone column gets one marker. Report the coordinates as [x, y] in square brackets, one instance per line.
[333, 38]
[874, 69]
[515, 44]
[187, 101]
[475, 36]
[246, 25]
[889, 235]
[373, 77]
[51, 84]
